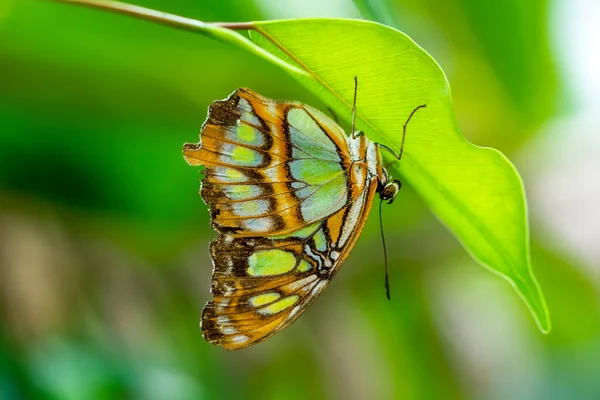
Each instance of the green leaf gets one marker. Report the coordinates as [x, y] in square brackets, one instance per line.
[475, 191]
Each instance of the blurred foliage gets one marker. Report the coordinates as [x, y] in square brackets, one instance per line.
[498, 60]
[104, 265]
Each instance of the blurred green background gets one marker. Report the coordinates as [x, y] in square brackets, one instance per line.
[104, 264]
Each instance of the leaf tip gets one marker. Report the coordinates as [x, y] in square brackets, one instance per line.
[529, 290]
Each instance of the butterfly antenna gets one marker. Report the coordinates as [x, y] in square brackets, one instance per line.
[404, 128]
[399, 155]
[387, 279]
[354, 107]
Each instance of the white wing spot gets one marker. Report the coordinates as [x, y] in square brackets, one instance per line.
[292, 287]
[318, 287]
[262, 224]
[228, 330]
[294, 311]
[239, 339]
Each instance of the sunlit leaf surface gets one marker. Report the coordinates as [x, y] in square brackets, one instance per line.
[475, 191]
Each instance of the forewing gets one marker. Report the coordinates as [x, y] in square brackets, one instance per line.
[261, 285]
[271, 167]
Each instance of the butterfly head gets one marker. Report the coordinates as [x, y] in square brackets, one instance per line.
[389, 190]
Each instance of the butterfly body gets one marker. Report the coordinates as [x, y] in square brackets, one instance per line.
[289, 194]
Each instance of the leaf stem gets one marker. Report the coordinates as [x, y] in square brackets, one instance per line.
[156, 16]
[222, 31]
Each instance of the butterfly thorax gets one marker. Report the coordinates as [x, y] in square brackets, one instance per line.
[366, 164]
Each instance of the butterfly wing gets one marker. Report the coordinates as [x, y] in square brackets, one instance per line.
[271, 167]
[288, 194]
[261, 285]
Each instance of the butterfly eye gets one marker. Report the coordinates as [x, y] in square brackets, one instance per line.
[390, 190]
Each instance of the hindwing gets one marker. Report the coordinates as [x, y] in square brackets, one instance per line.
[261, 285]
[270, 167]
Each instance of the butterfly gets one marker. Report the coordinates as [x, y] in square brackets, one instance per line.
[289, 193]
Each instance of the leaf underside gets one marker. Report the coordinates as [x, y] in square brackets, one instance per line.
[476, 192]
